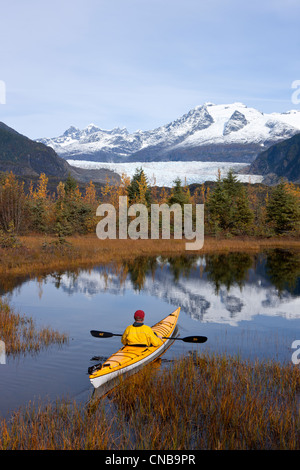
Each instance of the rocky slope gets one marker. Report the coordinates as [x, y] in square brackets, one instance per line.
[228, 133]
[27, 158]
[281, 160]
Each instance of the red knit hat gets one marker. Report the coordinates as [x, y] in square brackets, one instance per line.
[139, 315]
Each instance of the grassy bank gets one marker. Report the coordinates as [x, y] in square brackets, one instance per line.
[39, 254]
[21, 335]
[200, 402]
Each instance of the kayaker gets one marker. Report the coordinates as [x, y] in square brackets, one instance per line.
[139, 334]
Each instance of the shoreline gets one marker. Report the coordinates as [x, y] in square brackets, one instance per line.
[40, 254]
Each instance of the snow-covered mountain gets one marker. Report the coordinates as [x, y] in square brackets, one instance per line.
[228, 133]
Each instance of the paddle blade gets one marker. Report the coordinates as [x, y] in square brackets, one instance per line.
[194, 339]
[101, 334]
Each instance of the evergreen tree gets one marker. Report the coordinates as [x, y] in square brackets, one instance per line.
[39, 206]
[283, 211]
[70, 184]
[243, 215]
[74, 213]
[179, 195]
[232, 185]
[219, 208]
[228, 206]
[138, 190]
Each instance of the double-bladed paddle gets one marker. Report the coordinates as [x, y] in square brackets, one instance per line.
[187, 339]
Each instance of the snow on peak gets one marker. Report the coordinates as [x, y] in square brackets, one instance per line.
[204, 125]
[71, 130]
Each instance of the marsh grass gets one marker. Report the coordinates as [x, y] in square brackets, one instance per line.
[21, 335]
[40, 254]
[214, 402]
[198, 402]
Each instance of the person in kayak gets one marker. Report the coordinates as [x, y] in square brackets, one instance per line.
[139, 334]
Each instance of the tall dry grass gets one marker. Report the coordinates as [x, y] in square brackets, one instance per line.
[199, 402]
[21, 335]
[213, 402]
[40, 254]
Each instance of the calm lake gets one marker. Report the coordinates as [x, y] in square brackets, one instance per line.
[245, 304]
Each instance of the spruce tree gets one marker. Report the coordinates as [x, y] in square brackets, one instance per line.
[70, 184]
[283, 211]
[138, 190]
[178, 194]
[232, 185]
[219, 208]
[228, 206]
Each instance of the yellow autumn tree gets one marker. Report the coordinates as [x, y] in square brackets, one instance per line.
[106, 191]
[164, 196]
[40, 207]
[293, 189]
[118, 190]
[143, 196]
[90, 194]
[12, 201]
[90, 199]
[42, 191]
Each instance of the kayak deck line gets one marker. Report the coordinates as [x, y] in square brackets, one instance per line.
[129, 358]
[123, 356]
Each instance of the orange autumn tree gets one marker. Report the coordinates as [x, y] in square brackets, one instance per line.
[12, 201]
[163, 196]
[293, 189]
[106, 191]
[75, 213]
[90, 199]
[116, 190]
[111, 191]
[40, 206]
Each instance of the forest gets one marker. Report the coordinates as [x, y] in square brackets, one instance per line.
[231, 208]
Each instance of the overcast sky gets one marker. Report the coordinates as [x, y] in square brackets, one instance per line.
[142, 63]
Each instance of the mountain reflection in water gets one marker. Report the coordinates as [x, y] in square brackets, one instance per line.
[221, 288]
[245, 304]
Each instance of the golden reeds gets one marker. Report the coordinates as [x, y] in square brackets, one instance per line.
[38, 254]
[21, 335]
[199, 402]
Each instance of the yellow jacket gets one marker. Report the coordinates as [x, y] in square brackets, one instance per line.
[141, 334]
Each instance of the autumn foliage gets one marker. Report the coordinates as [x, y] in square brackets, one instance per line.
[231, 208]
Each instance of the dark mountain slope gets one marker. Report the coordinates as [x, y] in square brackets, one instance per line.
[281, 160]
[28, 158]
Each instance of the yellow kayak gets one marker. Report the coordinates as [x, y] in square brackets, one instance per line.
[131, 358]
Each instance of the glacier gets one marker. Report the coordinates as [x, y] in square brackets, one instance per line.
[164, 173]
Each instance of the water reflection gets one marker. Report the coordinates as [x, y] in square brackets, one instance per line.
[247, 304]
[283, 269]
[138, 269]
[219, 288]
[228, 269]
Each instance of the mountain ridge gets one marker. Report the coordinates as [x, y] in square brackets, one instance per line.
[281, 160]
[209, 132]
[28, 158]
